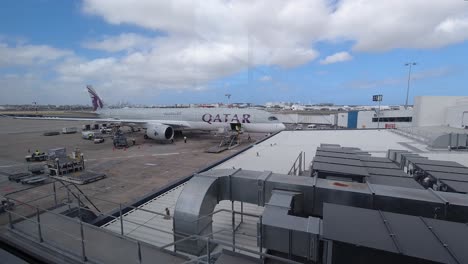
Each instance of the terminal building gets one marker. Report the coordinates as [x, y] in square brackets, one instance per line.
[313, 196]
[448, 111]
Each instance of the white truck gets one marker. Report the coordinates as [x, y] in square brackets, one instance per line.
[69, 130]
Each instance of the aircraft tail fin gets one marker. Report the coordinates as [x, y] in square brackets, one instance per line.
[95, 99]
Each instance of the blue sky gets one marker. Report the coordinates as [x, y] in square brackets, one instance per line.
[165, 53]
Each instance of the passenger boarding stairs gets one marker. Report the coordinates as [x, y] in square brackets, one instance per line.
[229, 141]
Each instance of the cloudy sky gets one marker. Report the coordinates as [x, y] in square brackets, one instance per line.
[189, 51]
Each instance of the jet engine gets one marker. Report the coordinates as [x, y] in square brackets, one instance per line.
[160, 132]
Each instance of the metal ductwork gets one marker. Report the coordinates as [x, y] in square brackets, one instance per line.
[192, 215]
[282, 231]
[199, 198]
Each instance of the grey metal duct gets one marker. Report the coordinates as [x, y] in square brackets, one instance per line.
[293, 235]
[199, 198]
[204, 191]
[355, 235]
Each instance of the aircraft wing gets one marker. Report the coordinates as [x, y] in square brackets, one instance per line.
[129, 122]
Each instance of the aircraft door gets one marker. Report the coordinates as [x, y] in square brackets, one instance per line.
[236, 127]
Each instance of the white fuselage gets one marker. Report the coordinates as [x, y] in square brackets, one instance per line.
[208, 119]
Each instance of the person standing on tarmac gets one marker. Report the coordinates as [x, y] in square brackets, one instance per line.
[185, 139]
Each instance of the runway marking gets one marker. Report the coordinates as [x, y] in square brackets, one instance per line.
[120, 157]
[150, 164]
[165, 154]
[132, 156]
[6, 166]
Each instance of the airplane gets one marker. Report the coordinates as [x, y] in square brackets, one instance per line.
[161, 123]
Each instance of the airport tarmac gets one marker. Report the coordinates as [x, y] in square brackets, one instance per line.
[131, 173]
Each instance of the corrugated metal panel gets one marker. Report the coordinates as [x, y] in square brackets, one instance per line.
[394, 181]
[316, 119]
[287, 118]
[430, 239]
[306, 118]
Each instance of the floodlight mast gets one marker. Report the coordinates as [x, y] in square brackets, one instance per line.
[228, 97]
[410, 64]
[378, 98]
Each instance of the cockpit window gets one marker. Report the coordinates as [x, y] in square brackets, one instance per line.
[272, 118]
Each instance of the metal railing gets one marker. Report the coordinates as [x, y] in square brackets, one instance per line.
[18, 224]
[298, 167]
[35, 219]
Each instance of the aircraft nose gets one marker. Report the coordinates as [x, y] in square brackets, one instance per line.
[281, 127]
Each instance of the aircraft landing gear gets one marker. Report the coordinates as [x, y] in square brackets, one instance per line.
[145, 136]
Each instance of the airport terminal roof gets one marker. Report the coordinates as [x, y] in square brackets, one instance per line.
[434, 136]
[279, 152]
[276, 154]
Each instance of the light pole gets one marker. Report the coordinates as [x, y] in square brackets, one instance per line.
[228, 97]
[410, 64]
[378, 98]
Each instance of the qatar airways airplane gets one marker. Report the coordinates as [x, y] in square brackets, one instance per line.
[160, 123]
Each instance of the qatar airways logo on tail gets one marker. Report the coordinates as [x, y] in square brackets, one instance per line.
[231, 118]
[97, 102]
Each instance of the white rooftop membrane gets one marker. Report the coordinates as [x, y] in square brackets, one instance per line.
[278, 153]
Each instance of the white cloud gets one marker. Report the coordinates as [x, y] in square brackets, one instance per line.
[212, 39]
[265, 78]
[337, 57]
[125, 41]
[31, 87]
[29, 54]
[196, 42]
[284, 40]
[373, 25]
[417, 75]
[370, 84]
[385, 25]
[433, 73]
[203, 41]
[177, 62]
